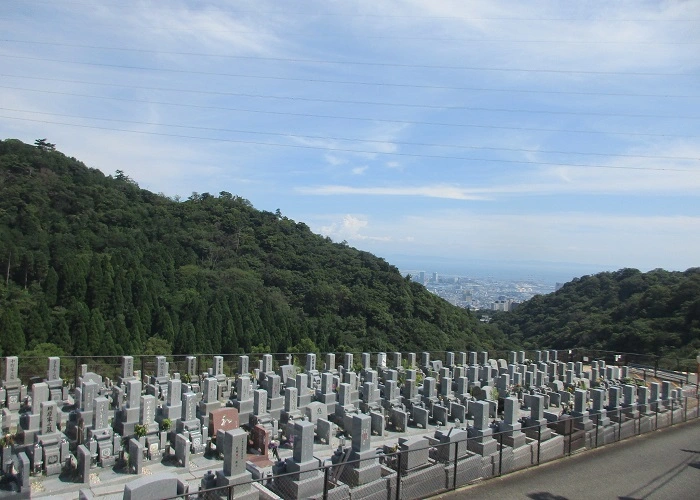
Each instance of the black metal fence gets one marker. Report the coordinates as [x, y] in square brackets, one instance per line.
[110, 366]
[435, 467]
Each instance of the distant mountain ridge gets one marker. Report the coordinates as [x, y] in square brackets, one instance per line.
[94, 265]
[657, 312]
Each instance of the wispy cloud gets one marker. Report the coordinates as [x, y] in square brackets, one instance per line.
[433, 191]
[600, 238]
[360, 170]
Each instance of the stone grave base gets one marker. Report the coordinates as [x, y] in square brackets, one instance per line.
[251, 494]
[468, 470]
[367, 471]
[423, 483]
[616, 416]
[532, 432]
[628, 429]
[589, 440]
[678, 415]
[517, 440]
[525, 456]
[607, 435]
[241, 491]
[664, 419]
[575, 441]
[646, 424]
[551, 449]
[338, 491]
[487, 467]
[381, 489]
[506, 460]
[485, 448]
[311, 487]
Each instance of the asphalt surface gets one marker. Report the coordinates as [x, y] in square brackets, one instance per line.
[660, 465]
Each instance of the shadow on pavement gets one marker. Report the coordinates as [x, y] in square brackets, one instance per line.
[544, 495]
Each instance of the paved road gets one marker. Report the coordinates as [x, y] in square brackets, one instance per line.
[660, 465]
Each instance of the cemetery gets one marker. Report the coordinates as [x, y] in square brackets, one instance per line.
[384, 426]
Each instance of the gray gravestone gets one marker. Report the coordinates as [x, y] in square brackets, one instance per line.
[304, 441]
[191, 366]
[127, 367]
[361, 431]
[310, 362]
[234, 450]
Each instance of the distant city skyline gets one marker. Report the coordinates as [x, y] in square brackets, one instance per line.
[513, 270]
[484, 293]
[488, 131]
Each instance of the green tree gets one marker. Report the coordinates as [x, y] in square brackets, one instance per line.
[44, 145]
[156, 346]
[96, 333]
[12, 340]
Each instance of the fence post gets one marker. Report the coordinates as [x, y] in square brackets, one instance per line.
[619, 424]
[454, 482]
[597, 424]
[500, 454]
[639, 422]
[685, 410]
[656, 410]
[398, 475]
[539, 442]
[671, 411]
[76, 371]
[230, 492]
[325, 483]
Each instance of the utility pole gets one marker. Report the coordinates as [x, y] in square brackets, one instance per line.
[697, 376]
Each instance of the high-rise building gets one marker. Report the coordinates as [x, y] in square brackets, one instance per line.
[505, 305]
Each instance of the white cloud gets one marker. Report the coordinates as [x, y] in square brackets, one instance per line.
[575, 33]
[334, 160]
[351, 228]
[360, 170]
[596, 238]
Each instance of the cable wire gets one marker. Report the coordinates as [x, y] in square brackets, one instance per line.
[373, 103]
[304, 146]
[364, 63]
[322, 61]
[402, 16]
[352, 118]
[348, 139]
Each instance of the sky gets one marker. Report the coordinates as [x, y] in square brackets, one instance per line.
[474, 133]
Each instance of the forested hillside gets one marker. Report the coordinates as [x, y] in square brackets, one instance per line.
[656, 312]
[96, 265]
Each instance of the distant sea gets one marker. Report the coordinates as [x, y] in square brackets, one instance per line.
[545, 272]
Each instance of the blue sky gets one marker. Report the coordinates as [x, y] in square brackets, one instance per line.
[501, 131]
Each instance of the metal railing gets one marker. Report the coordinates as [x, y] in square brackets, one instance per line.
[441, 467]
[110, 366]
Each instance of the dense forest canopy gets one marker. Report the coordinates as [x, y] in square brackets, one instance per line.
[94, 265]
[627, 311]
